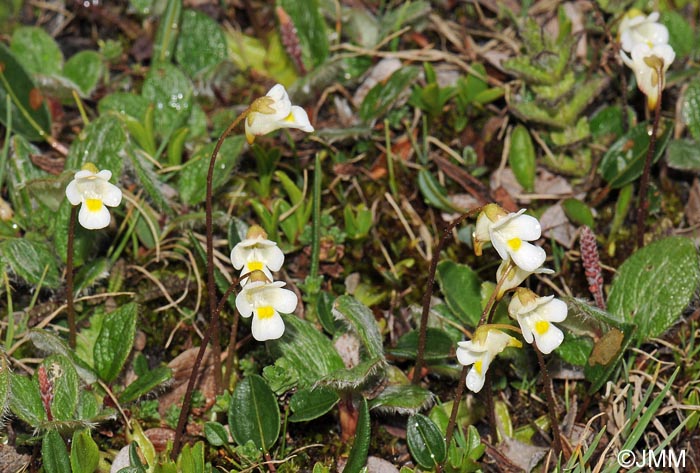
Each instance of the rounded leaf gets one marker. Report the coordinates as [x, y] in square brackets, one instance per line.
[522, 157]
[425, 441]
[254, 414]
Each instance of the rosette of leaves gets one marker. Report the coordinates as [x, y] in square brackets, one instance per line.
[554, 95]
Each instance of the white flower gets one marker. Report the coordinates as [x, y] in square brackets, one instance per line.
[509, 234]
[535, 316]
[515, 276]
[93, 190]
[480, 351]
[636, 28]
[650, 65]
[275, 111]
[264, 301]
[257, 253]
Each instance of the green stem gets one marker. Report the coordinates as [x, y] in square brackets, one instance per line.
[69, 277]
[316, 219]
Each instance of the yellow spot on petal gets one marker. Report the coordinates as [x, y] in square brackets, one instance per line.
[541, 327]
[255, 266]
[93, 205]
[514, 243]
[265, 312]
[289, 118]
[478, 366]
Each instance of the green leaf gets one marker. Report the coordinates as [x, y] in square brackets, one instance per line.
[64, 382]
[31, 260]
[30, 114]
[166, 36]
[216, 434]
[192, 180]
[191, 458]
[681, 36]
[84, 453]
[683, 155]
[308, 404]
[461, 287]
[25, 400]
[607, 122]
[438, 345]
[54, 454]
[351, 378]
[578, 212]
[433, 192]
[102, 143]
[690, 111]
[655, 285]
[114, 342]
[145, 384]
[49, 343]
[383, 95]
[310, 29]
[522, 157]
[37, 51]
[362, 323]
[91, 273]
[425, 441]
[358, 454]
[254, 414]
[84, 69]
[402, 399]
[169, 90]
[575, 350]
[149, 179]
[5, 384]
[624, 160]
[201, 44]
[307, 350]
[134, 106]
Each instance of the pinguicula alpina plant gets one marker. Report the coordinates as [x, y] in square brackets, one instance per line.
[650, 56]
[257, 253]
[265, 300]
[266, 114]
[91, 189]
[512, 235]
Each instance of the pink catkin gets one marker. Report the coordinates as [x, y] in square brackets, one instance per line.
[591, 265]
[290, 39]
[46, 391]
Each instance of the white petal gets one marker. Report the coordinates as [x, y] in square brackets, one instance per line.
[238, 256]
[553, 311]
[524, 227]
[301, 119]
[528, 257]
[105, 174]
[242, 304]
[496, 342]
[72, 193]
[283, 300]
[475, 381]
[272, 256]
[524, 322]
[467, 357]
[270, 328]
[83, 173]
[111, 195]
[550, 340]
[94, 220]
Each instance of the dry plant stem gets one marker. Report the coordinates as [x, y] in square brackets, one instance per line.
[455, 406]
[213, 328]
[551, 406]
[69, 277]
[643, 204]
[447, 232]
